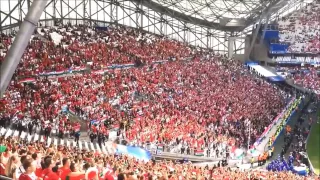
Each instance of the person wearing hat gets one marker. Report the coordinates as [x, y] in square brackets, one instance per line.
[29, 170]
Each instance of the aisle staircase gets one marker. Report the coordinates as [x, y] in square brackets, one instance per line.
[57, 141]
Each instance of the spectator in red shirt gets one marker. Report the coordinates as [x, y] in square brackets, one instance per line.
[65, 169]
[29, 170]
[47, 173]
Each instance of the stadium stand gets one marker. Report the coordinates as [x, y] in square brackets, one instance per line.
[307, 77]
[64, 48]
[136, 91]
[140, 98]
[99, 165]
[146, 96]
[301, 29]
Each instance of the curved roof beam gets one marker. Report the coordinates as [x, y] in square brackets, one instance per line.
[197, 21]
[180, 16]
[274, 7]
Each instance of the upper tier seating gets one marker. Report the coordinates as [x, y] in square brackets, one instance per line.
[301, 29]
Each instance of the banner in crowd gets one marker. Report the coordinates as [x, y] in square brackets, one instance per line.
[99, 71]
[80, 69]
[285, 120]
[65, 71]
[27, 80]
[135, 152]
[296, 62]
[114, 66]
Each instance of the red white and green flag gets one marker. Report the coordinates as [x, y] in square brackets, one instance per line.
[27, 80]
[199, 152]
[160, 147]
[72, 111]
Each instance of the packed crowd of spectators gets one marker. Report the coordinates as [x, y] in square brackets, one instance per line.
[310, 78]
[31, 161]
[194, 104]
[307, 77]
[206, 103]
[301, 29]
[33, 108]
[65, 47]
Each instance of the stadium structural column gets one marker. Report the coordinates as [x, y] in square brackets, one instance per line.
[265, 28]
[20, 43]
[254, 37]
[230, 47]
[231, 42]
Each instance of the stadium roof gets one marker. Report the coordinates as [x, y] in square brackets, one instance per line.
[233, 15]
[213, 10]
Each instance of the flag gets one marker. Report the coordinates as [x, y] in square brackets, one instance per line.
[160, 147]
[77, 69]
[72, 111]
[199, 152]
[98, 72]
[27, 80]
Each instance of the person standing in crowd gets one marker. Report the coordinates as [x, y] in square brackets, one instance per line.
[20, 170]
[77, 137]
[29, 168]
[11, 166]
[47, 173]
[75, 174]
[65, 169]
[92, 136]
[251, 162]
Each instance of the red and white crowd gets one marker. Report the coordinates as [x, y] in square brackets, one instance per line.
[301, 29]
[38, 161]
[193, 103]
[307, 77]
[65, 47]
[206, 103]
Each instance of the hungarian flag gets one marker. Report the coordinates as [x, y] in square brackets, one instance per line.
[199, 152]
[75, 176]
[160, 147]
[27, 80]
[72, 111]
